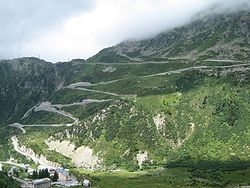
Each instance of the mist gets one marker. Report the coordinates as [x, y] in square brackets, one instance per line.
[60, 30]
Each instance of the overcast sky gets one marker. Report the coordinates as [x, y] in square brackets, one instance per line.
[59, 30]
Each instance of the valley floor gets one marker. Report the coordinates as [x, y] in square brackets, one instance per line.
[169, 178]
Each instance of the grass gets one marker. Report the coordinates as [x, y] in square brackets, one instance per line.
[21, 171]
[85, 111]
[134, 179]
[156, 85]
[159, 103]
[7, 182]
[168, 178]
[95, 73]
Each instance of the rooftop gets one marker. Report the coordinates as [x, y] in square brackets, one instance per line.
[62, 171]
[41, 181]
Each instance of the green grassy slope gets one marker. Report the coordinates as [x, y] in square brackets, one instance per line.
[173, 177]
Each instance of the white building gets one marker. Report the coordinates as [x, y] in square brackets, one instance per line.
[86, 183]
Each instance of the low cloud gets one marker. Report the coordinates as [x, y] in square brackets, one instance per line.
[59, 30]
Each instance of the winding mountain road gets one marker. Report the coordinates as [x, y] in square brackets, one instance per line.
[47, 106]
[82, 85]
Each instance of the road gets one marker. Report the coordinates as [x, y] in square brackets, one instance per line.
[46, 106]
[15, 164]
[28, 112]
[221, 60]
[195, 68]
[81, 85]
[34, 158]
[161, 62]
[19, 126]
[95, 91]
[84, 102]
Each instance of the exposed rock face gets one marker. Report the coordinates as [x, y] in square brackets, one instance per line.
[141, 158]
[109, 69]
[29, 153]
[159, 121]
[81, 157]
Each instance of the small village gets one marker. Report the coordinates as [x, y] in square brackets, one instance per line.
[42, 176]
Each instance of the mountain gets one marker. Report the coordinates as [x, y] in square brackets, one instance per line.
[175, 106]
[26, 81]
[221, 36]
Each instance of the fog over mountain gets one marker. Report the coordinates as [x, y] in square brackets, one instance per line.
[59, 30]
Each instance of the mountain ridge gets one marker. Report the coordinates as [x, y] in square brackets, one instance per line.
[216, 32]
